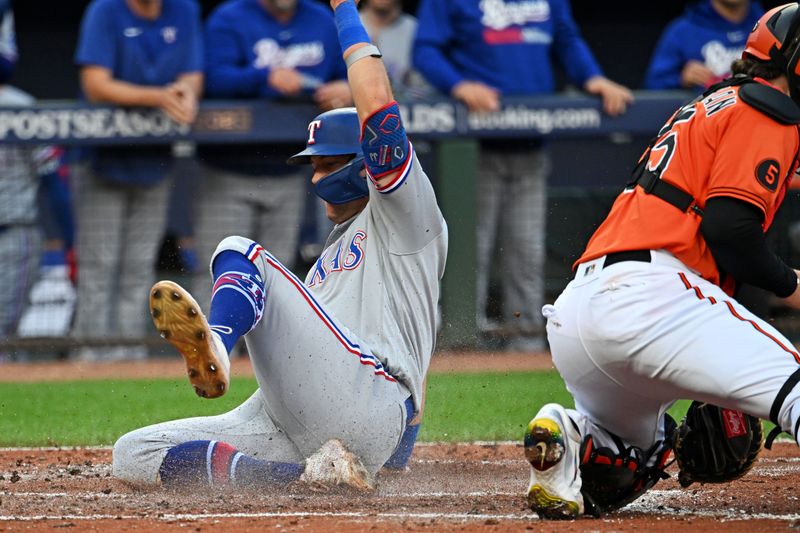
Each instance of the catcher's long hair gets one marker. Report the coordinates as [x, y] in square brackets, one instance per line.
[756, 68]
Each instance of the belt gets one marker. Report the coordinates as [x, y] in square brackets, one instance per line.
[628, 255]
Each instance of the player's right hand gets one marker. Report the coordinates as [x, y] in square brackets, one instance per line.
[793, 300]
[179, 105]
[696, 74]
[477, 96]
[286, 81]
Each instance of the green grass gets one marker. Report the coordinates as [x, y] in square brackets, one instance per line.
[97, 412]
[460, 407]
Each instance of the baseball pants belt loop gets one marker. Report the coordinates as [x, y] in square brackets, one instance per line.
[643, 256]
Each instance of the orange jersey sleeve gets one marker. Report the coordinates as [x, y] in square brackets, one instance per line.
[753, 161]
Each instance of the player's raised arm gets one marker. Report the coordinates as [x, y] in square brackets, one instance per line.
[366, 73]
[387, 152]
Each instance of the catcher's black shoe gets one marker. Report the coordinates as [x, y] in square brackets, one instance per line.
[551, 447]
[178, 318]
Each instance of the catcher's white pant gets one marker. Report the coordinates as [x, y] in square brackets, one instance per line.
[317, 379]
[632, 338]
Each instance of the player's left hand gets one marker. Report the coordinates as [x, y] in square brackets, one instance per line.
[333, 95]
[615, 97]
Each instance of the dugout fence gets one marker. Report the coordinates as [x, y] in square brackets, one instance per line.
[592, 154]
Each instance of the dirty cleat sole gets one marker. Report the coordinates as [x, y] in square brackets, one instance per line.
[179, 320]
[333, 465]
[549, 506]
[550, 475]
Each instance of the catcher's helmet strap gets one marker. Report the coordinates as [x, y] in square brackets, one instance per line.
[775, 410]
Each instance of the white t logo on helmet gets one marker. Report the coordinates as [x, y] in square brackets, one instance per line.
[313, 126]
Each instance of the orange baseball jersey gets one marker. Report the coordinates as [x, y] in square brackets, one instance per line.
[718, 146]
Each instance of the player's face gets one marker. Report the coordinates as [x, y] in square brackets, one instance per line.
[324, 165]
[384, 5]
[731, 4]
[281, 6]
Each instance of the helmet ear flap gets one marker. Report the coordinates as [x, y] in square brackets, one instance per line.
[790, 52]
[776, 39]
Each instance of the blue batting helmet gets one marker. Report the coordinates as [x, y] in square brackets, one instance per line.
[335, 132]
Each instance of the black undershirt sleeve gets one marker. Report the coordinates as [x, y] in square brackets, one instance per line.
[733, 231]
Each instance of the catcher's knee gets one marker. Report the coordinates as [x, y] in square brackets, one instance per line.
[785, 410]
[611, 480]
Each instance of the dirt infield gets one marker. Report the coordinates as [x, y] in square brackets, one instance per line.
[449, 487]
[174, 367]
[466, 487]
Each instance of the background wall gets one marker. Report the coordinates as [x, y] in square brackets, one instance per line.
[621, 33]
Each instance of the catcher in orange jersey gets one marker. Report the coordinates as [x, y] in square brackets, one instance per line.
[650, 316]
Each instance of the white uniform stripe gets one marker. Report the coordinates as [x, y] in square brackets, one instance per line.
[209, 454]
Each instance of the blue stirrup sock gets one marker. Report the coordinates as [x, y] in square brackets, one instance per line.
[216, 464]
[402, 454]
[237, 299]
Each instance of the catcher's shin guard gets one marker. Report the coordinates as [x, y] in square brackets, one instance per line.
[178, 318]
[551, 447]
[613, 479]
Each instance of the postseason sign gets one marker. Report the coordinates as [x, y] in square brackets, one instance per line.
[270, 122]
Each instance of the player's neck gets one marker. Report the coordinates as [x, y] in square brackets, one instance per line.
[146, 9]
[381, 18]
[281, 15]
[732, 12]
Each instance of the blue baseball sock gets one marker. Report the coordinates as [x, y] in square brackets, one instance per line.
[237, 300]
[53, 258]
[401, 456]
[213, 463]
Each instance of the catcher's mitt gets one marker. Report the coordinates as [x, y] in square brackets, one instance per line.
[715, 445]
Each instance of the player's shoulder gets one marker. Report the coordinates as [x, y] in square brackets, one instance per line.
[760, 105]
[314, 9]
[674, 34]
[105, 8]
[233, 10]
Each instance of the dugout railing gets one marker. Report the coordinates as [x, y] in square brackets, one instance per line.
[591, 152]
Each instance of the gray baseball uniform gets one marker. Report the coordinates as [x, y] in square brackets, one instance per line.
[20, 237]
[338, 356]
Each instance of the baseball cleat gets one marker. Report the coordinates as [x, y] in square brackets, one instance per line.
[552, 444]
[180, 322]
[333, 465]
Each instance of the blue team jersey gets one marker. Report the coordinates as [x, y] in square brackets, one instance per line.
[141, 52]
[243, 42]
[507, 44]
[138, 50]
[700, 34]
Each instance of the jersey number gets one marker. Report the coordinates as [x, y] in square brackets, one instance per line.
[669, 142]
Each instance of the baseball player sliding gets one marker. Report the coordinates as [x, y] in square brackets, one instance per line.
[650, 316]
[340, 359]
